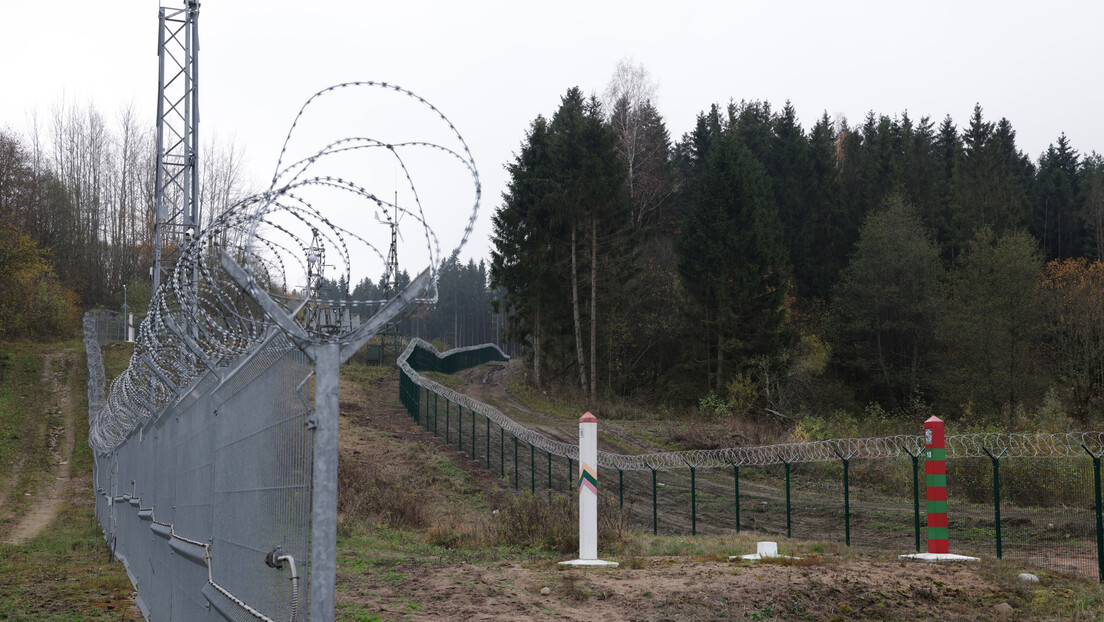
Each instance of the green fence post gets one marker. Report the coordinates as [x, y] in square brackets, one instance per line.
[789, 524]
[621, 488]
[693, 502]
[846, 495]
[996, 494]
[736, 486]
[473, 436]
[532, 470]
[1099, 514]
[655, 511]
[736, 483]
[549, 469]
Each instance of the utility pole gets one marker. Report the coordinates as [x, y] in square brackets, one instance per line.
[176, 186]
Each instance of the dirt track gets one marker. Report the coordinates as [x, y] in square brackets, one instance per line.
[43, 504]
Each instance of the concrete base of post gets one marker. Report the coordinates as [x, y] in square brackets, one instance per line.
[763, 550]
[938, 557]
[590, 562]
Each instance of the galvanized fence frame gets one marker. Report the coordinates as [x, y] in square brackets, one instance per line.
[217, 448]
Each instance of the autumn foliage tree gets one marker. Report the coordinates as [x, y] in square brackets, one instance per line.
[35, 303]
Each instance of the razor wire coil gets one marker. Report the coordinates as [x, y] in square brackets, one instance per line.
[200, 319]
[1029, 445]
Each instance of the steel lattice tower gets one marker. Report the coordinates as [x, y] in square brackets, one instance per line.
[176, 191]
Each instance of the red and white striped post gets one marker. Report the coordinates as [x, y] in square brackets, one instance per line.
[935, 475]
[588, 494]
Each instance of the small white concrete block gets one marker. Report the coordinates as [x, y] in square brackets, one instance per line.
[1027, 577]
[763, 551]
[938, 557]
[590, 562]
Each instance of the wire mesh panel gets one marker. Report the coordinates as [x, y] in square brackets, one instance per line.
[202, 494]
[883, 505]
[1047, 513]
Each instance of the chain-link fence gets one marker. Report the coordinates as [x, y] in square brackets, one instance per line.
[115, 326]
[1033, 497]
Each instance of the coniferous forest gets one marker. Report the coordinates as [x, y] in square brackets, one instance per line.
[753, 267]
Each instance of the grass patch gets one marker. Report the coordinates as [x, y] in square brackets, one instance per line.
[66, 573]
[448, 381]
[369, 374]
[545, 402]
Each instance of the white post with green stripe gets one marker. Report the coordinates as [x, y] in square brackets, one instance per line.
[588, 494]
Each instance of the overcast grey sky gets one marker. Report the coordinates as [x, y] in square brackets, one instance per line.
[493, 66]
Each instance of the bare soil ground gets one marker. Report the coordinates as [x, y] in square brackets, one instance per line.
[678, 588]
[695, 583]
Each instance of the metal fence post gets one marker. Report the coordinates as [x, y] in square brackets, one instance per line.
[621, 488]
[323, 563]
[846, 496]
[789, 524]
[1099, 514]
[736, 482]
[996, 494]
[693, 502]
[655, 511]
[473, 436]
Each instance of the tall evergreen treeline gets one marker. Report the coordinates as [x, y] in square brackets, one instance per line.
[781, 270]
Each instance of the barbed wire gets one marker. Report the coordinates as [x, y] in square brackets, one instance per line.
[1039, 445]
[306, 226]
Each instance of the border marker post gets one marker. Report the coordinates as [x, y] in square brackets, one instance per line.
[935, 478]
[588, 495]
